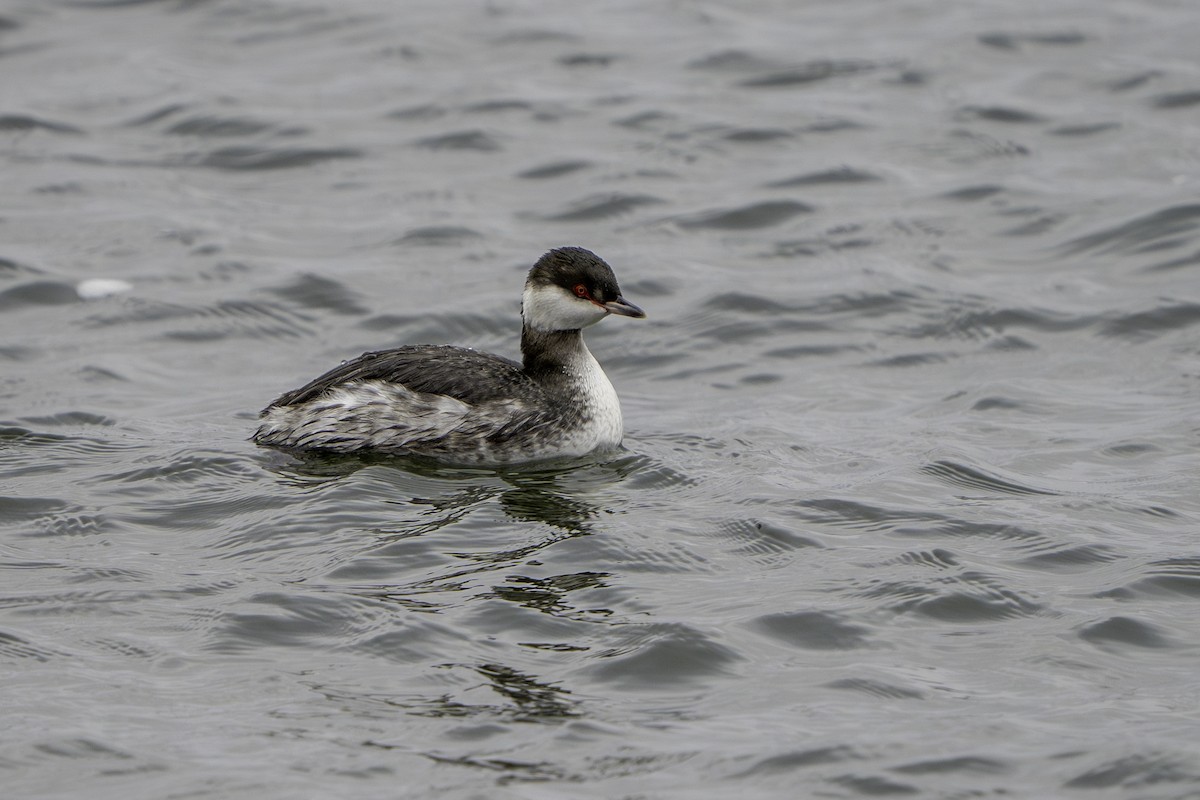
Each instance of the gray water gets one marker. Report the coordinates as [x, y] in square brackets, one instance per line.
[908, 499]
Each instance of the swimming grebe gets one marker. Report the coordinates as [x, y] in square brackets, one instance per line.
[462, 406]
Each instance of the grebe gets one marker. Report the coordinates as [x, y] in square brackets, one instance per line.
[458, 405]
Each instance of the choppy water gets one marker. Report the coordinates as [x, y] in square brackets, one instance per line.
[909, 500]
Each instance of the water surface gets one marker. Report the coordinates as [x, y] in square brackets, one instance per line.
[908, 500]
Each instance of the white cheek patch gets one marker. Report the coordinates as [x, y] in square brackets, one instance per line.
[550, 308]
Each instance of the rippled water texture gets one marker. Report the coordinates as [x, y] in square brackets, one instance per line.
[908, 503]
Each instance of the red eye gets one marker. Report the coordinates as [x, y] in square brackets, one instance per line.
[581, 290]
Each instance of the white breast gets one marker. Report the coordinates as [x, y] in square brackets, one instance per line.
[600, 399]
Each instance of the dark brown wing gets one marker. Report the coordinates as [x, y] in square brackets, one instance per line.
[467, 375]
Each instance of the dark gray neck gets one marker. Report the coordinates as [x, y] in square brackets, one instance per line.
[545, 354]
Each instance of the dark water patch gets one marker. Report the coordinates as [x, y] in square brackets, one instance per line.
[318, 293]
[907, 360]
[497, 106]
[645, 120]
[965, 476]
[731, 61]
[808, 73]
[799, 759]
[838, 175]
[217, 127]
[756, 215]
[555, 169]
[1124, 631]
[1010, 344]
[813, 630]
[1036, 227]
[1137, 772]
[588, 59]
[874, 785]
[801, 352]
[972, 193]
[833, 125]
[977, 765]
[662, 655]
[602, 206]
[1131, 449]
[744, 302]
[549, 594]
[756, 135]
[1164, 229]
[1174, 100]
[1013, 41]
[1144, 325]
[251, 158]
[35, 294]
[528, 698]
[1085, 129]
[873, 688]
[23, 123]
[423, 112]
[437, 235]
[999, 114]
[999, 404]
[471, 140]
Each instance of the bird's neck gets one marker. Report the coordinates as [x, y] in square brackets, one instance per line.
[547, 355]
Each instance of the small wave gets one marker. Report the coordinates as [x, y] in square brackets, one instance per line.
[1000, 114]
[217, 127]
[1013, 41]
[25, 122]
[38, 293]
[838, 175]
[1124, 631]
[319, 293]
[1143, 325]
[554, 169]
[756, 215]
[476, 140]
[1137, 772]
[813, 630]
[969, 477]
[270, 158]
[809, 73]
[436, 235]
[1174, 100]
[604, 206]
[1165, 228]
[658, 655]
